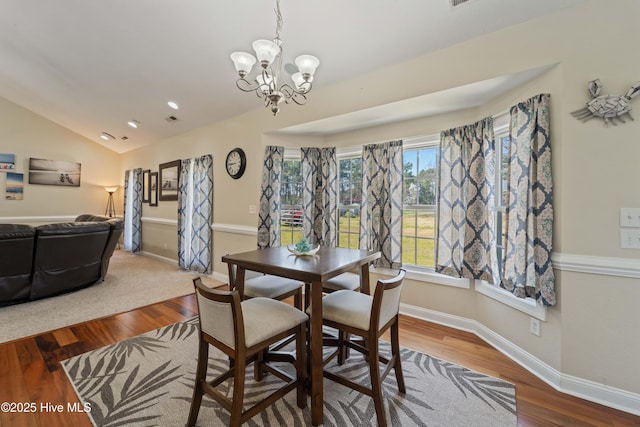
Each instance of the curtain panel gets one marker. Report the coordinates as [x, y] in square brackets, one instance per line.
[195, 214]
[528, 271]
[133, 210]
[320, 195]
[269, 215]
[381, 206]
[466, 237]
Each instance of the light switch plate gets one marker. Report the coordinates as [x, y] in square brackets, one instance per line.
[629, 217]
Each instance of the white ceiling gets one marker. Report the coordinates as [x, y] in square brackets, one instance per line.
[92, 65]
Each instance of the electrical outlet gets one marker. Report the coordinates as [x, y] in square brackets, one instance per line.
[629, 239]
[534, 326]
[252, 209]
[165, 246]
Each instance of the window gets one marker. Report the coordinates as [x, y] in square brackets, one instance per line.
[419, 208]
[291, 202]
[349, 197]
[502, 168]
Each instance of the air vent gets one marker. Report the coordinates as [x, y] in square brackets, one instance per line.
[455, 3]
[171, 119]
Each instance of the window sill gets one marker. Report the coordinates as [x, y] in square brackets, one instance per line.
[528, 306]
[424, 275]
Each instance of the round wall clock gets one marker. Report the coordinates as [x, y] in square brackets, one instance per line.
[236, 163]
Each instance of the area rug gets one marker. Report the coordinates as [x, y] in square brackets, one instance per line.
[132, 281]
[148, 381]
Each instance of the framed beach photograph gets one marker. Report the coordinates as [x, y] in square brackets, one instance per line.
[146, 187]
[7, 161]
[169, 180]
[54, 172]
[153, 189]
[14, 186]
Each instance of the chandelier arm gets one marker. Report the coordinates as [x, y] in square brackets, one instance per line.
[246, 86]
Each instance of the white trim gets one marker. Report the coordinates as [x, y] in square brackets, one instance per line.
[584, 389]
[40, 219]
[425, 276]
[235, 229]
[160, 258]
[525, 305]
[161, 221]
[621, 267]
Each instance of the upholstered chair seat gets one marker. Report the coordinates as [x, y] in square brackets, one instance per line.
[348, 281]
[268, 286]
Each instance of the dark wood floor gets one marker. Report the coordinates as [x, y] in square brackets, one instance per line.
[30, 370]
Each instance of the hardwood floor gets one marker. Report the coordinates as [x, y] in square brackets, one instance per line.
[30, 371]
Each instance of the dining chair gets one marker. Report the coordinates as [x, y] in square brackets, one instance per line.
[360, 320]
[243, 330]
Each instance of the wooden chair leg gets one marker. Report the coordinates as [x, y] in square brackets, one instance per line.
[395, 351]
[376, 384]
[297, 300]
[238, 393]
[258, 373]
[301, 366]
[201, 377]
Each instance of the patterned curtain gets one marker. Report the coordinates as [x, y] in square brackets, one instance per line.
[381, 207]
[320, 195]
[133, 210]
[195, 214]
[466, 243]
[269, 216]
[528, 271]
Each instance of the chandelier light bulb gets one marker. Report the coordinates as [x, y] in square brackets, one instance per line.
[300, 82]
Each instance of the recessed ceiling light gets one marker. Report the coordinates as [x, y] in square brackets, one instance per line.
[134, 124]
[173, 105]
[106, 136]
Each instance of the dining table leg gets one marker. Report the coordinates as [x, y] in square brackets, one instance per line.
[317, 398]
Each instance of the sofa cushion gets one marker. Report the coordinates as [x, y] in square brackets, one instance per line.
[16, 261]
[68, 256]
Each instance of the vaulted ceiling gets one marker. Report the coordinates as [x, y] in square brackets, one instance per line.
[92, 66]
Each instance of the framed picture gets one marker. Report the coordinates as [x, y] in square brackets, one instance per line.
[169, 180]
[15, 186]
[7, 161]
[153, 188]
[54, 172]
[146, 187]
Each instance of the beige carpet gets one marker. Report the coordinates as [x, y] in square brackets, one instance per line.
[132, 281]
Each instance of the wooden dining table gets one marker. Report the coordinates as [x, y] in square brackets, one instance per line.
[328, 262]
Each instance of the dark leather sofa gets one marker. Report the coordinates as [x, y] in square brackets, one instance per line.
[38, 262]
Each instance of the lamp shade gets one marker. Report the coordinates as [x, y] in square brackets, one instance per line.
[299, 81]
[243, 61]
[266, 50]
[307, 64]
[111, 189]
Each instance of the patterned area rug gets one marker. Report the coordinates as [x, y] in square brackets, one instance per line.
[148, 381]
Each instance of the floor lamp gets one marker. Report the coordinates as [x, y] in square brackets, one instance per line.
[111, 209]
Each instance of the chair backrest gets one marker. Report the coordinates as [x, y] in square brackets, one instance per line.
[220, 314]
[386, 300]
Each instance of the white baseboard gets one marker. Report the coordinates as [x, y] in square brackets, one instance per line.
[574, 386]
[160, 258]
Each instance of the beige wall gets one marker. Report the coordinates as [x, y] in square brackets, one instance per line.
[591, 336]
[26, 135]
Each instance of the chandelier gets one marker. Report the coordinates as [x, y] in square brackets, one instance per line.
[265, 85]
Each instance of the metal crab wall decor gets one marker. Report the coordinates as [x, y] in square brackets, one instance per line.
[608, 107]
